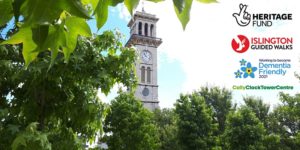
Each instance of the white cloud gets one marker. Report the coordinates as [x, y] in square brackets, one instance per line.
[112, 94]
[123, 12]
[204, 48]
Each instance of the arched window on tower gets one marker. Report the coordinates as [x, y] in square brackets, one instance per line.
[146, 29]
[140, 28]
[143, 70]
[152, 30]
[148, 75]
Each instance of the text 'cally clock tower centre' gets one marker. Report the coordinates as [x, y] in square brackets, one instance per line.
[143, 37]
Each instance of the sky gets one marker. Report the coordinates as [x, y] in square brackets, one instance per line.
[202, 54]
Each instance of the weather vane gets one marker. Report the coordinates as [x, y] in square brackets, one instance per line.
[143, 4]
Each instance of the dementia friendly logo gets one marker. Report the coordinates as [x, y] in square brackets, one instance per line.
[266, 68]
[246, 70]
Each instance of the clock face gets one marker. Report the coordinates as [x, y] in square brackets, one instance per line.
[146, 55]
[145, 92]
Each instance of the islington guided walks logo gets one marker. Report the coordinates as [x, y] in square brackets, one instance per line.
[244, 18]
[242, 43]
[265, 68]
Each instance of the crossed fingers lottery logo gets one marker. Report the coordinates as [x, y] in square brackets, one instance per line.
[242, 18]
[267, 19]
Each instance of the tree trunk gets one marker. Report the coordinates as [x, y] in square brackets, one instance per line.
[41, 106]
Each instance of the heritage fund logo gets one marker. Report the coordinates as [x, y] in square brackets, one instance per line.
[243, 18]
[241, 43]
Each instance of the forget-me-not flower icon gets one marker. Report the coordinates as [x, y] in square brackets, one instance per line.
[249, 70]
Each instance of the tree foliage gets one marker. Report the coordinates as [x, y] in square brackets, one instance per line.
[166, 122]
[244, 131]
[285, 120]
[260, 109]
[129, 125]
[219, 100]
[55, 25]
[62, 100]
[195, 123]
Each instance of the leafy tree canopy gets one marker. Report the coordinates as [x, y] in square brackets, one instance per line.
[166, 121]
[244, 130]
[195, 123]
[51, 25]
[41, 105]
[219, 100]
[129, 125]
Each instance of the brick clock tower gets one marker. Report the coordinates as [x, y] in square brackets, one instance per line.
[143, 37]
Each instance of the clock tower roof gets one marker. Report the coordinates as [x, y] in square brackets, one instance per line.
[143, 30]
[142, 16]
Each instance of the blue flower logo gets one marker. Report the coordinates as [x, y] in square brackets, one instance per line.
[243, 62]
[238, 74]
[248, 70]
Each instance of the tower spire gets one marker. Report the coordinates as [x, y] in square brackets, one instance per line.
[143, 6]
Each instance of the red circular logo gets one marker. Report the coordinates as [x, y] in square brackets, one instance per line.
[240, 44]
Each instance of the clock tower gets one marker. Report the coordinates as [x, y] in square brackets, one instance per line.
[143, 37]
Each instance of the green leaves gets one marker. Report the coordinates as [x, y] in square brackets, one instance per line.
[195, 122]
[16, 7]
[131, 125]
[131, 5]
[101, 11]
[75, 27]
[29, 47]
[44, 22]
[155, 1]
[207, 1]
[31, 139]
[53, 38]
[74, 7]
[37, 12]
[183, 8]
[184, 15]
[179, 5]
[43, 27]
[244, 130]
[68, 90]
[115, 2]
[56, 39]
[6, 10]
[66, 38]
[39, 34]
